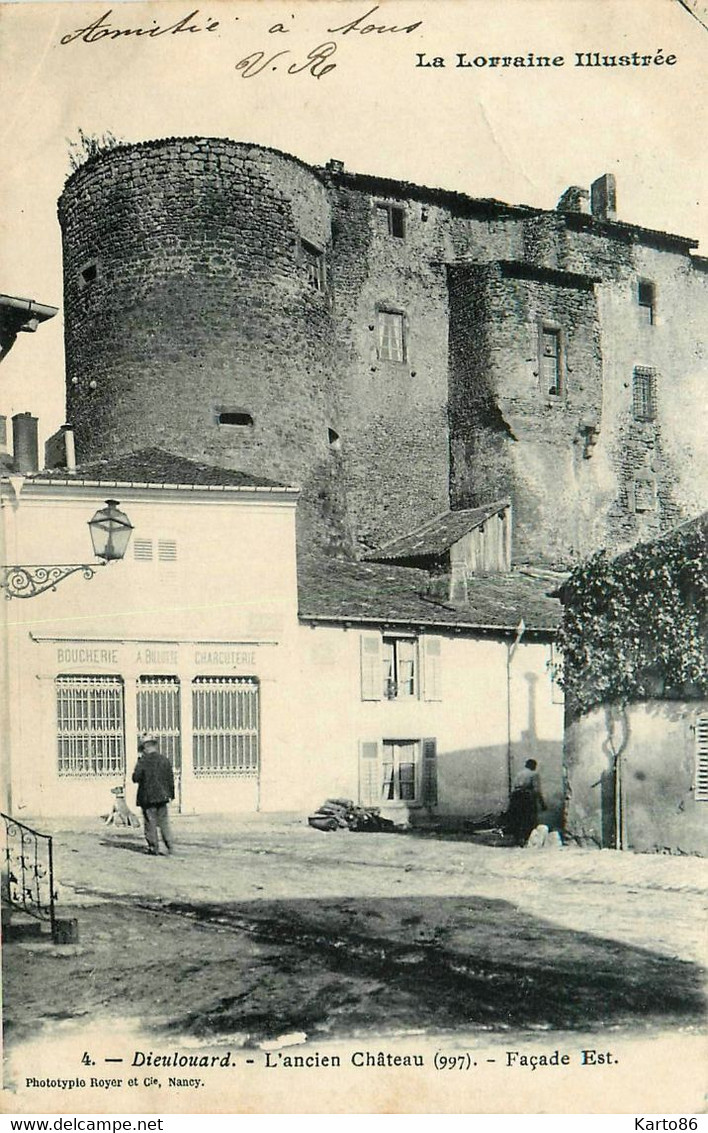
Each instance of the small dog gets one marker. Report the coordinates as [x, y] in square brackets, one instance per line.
[121, 815]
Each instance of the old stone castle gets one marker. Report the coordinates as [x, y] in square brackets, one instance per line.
[395, 350]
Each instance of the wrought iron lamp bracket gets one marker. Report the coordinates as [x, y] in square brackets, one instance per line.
[29, 581]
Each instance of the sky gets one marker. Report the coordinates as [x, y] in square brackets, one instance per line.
[518, 134]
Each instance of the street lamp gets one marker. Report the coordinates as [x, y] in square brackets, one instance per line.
[110, 532]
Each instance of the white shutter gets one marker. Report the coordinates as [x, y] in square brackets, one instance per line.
[369, 773]
[701, 793]
[432, 674]
[371, 671]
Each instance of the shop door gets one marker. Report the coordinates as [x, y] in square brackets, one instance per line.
[158, 712]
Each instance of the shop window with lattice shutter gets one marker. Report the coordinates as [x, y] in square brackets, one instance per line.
[371, 683]
[430, 773]
[701, 785]
[369, 774]
[90, 726]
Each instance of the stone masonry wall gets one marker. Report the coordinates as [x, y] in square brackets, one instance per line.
[188, 292]
[197, 302]
[510, 435]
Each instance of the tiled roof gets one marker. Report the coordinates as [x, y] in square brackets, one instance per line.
[337, 591]
[156, 466]
[437, 536]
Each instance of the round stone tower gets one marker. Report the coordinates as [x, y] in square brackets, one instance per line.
[197, 310]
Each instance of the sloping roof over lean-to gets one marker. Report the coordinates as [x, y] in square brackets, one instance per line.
[438, 535]
[156, 466]
[336, 591]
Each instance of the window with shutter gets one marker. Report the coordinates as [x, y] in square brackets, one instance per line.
[370, 667]
[432, 655]
[399, 771]
[701, 783]
[369, 774]
[399, 663]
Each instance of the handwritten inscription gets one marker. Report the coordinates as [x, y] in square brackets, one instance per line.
[315, 61]
[102, 29]
[361, 28]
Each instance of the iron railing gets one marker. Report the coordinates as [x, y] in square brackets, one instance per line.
[28, 871]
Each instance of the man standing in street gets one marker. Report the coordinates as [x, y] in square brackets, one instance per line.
[156, 788]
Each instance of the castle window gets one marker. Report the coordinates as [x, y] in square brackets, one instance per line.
[314, 264]
[550, 361]
[644, 394]
[334, 439]
[646, 299]
[390, 340]
[88, 274]
[391, 219]
[237, 417]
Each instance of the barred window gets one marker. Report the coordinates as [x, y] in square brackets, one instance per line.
[391, 343]
[90, 726]
[644, 394]
[158, 712]
[225, 731]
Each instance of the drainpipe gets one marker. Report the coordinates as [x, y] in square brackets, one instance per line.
[621, 840]
[510, 651]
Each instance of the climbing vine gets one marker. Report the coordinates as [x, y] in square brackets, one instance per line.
[634, 627]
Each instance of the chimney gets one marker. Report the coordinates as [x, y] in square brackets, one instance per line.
[25, 443]
[574, 199]
[59, 449]
[603, 197]
[458, 583]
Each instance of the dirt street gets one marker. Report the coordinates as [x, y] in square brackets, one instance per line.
[260, 927]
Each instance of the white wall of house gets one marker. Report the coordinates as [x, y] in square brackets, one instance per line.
[662, 748]
[203, 605]
[195, 632]
[485, 710]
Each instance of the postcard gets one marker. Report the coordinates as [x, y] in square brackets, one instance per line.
[353, 486]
